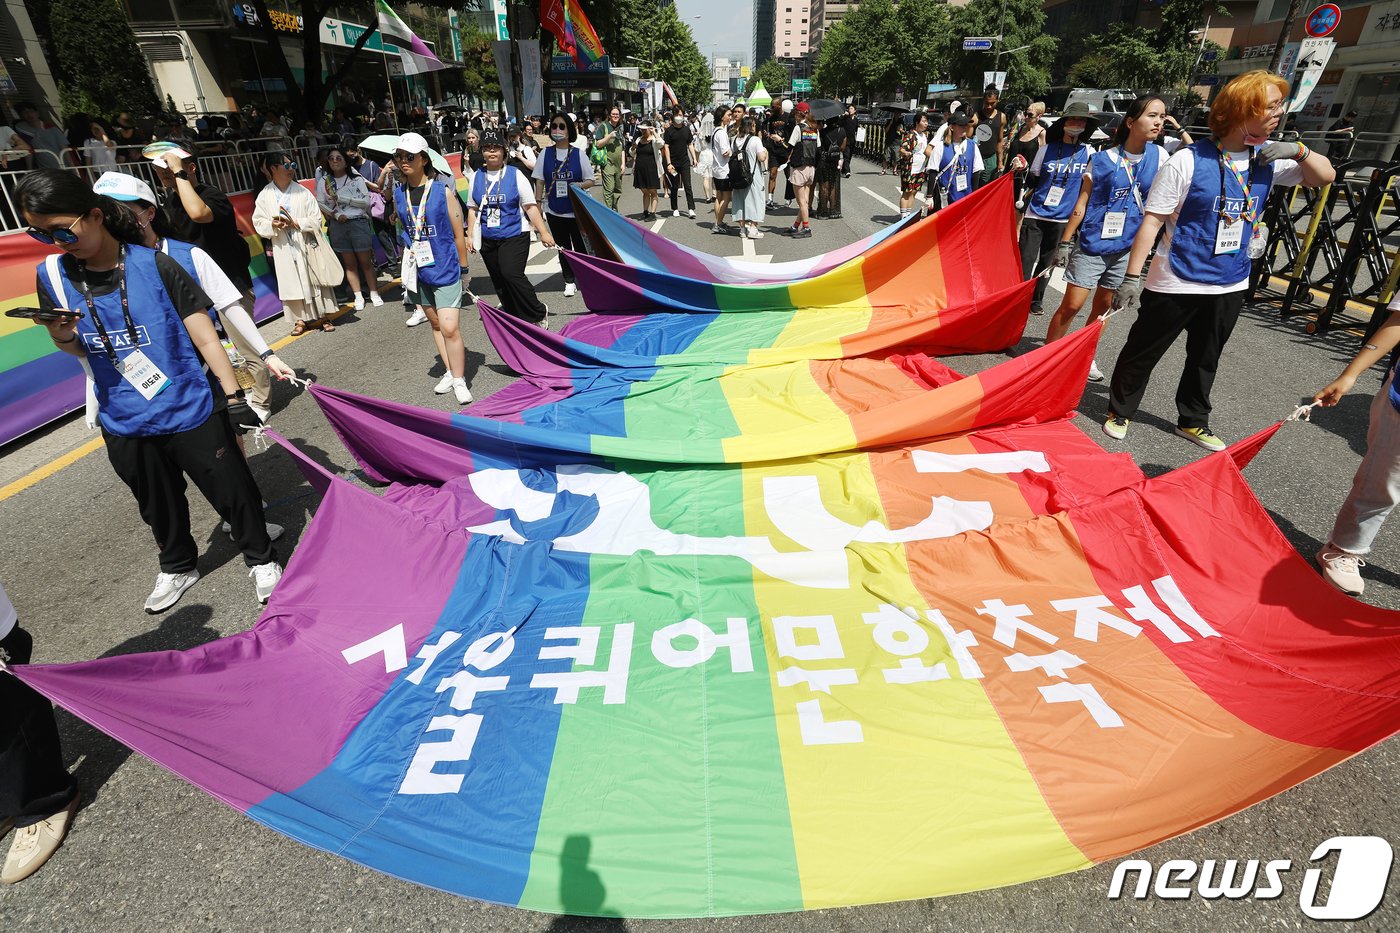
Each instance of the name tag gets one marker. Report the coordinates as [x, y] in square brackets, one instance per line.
[960, 184]
[1054, 195]
[1113, 223]
[143, 375]
[423, 254]
[1229, 237]
[493, 217]
[561, 188]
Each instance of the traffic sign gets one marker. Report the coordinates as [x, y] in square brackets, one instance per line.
[1313, 56]
[1323, 20]
[1206, 80]
[978, 43]
[801, 85]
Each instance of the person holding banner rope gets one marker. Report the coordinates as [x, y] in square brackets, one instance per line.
[1060, 163]
[560, 166]
[1209, 196]
[956, 160]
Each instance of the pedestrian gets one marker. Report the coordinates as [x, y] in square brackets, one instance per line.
[894, 133]
[38, 796]
[831, 163]
[129, 138]
[679, 149]
[344, 200]
[47, 140]
[471, 154]
[1061, 162]
[1099, 234]
[1026, 142]
[1376, 487]
[705, 165]
[520, 149]
[502, 206]
[563, 164]
[956, 160]
[805, 142]
[194, 211]
[851, 124]
[648, 168]
[380, 214]
[610, 139]
[721, 148]
[750, 201]
[989, 129]
[435, 252]
[775, 140]
[287, 214]
[99, 148]
[1209, 195]
[915, 149]
[160, 420]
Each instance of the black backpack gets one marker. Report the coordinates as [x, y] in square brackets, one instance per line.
[740, 176]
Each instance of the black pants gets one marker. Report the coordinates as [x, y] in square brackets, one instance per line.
[34, 785]
[505, 262]
[566, 233]
[1039, 238]
[678, 181]
[1208, 321]
[154, 468]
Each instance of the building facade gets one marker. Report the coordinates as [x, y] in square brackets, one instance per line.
[824, 15]
[764, 15]
[792, 28]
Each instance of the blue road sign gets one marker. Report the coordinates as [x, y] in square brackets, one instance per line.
[977, 44]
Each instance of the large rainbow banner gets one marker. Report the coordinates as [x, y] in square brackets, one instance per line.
[686, 631]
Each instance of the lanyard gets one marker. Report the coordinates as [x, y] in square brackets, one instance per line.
[1242, 180]
[1059, 173]
[420, 222]
[1130, 170]
[490, 188]
[126, 310]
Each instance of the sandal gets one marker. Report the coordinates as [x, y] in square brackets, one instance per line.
[298, 329]
[327, 326]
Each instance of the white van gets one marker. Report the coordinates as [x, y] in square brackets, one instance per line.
[1110, 100]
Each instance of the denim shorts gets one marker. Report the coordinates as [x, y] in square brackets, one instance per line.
[353, 236]
[1088, 271]
[438, 296]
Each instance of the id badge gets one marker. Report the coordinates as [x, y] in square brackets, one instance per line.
[1054, 195]
[493, 218]
[143, 375]
[561, 188]
[408, 272]
[960, 183]
[1229, 237]
[1259, 241]
[1113, 224]
[423, 254]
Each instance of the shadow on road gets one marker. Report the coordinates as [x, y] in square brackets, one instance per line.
[581, 891]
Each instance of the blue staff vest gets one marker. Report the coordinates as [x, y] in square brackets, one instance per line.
[505, 199]
[1111, 192]
[570, 171]
[949, 181]
[160, 334]
[446, 268]
[1063, 166]
[1192, 251]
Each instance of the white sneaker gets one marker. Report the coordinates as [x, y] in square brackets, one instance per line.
[375, 300]
[359, 302]
[416, 318]
[265, 577]
[690, 214]
[462, 393]
[444, 384]
[676, 212]
[570, 289]
[1095, 374]
[168, 590]
[1341, 569]
[34, 844]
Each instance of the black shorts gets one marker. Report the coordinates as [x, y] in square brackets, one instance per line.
[722, 184]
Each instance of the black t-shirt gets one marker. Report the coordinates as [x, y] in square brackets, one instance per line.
[185, 293]
[832, 138]
[219, 238]
[850, 124]
[995, 121]
[678, 140]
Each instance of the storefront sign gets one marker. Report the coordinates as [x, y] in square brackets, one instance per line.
[345, 35]
[247, 14]
[1382, 24]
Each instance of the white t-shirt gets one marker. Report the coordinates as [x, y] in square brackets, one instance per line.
[935, 159]
[585, 174]
[523, 187]
[1168, 194]
[8, 616]
[722, 148]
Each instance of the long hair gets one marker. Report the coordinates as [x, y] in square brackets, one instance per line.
[1245, 98]
[55, 191]
[1136, 109]
[719, 113]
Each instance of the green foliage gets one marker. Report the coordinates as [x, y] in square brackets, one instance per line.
[1145, 58]
[1028, 70]
[880, 46]
[98, 64]
[773, 76]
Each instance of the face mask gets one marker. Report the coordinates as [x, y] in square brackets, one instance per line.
[558, 135]
[1252, 140]
[1074, 131]
[678, 120]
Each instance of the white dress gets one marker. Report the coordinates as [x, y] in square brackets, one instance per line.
[302, 299]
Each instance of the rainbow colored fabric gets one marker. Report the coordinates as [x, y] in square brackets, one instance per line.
[790, 633]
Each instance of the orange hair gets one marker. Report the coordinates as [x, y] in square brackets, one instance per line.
[1245, 98]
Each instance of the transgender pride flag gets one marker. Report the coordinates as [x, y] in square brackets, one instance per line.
[417, 58]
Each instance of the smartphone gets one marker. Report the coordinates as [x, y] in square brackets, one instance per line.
[39, 314]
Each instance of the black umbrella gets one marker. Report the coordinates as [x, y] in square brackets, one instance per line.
[895, 107]
[824, 108]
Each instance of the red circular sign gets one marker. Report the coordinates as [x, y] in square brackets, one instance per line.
[1323, 20]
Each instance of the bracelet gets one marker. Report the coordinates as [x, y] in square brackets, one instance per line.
[265, 354]
[240, 394]
[69, 340]
[1303, 152]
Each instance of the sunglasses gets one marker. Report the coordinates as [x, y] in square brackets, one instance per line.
[64, 236]
[405, 156]
[558, 126]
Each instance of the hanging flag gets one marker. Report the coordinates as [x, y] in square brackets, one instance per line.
[417, 58]
[572, 29]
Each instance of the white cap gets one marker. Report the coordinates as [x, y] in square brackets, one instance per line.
[411, 142]
[124, 187]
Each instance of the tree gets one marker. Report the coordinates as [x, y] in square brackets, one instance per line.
[773, 76]
[1021, 23]
[479, 78]
[98, 63]
[678, 60]
[881, 46]
[1159, 58]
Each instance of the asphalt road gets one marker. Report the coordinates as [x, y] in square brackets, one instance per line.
[150, 852]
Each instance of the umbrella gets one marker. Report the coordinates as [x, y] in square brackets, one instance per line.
[387, 143]
[448, 108]
[823, 108]
[893, 105]
[760, 96]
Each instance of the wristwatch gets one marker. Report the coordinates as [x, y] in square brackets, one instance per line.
[182, 174]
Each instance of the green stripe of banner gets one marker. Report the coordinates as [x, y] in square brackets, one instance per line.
[23, 346]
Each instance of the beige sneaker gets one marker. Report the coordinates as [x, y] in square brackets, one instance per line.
[34, 845]
[1341, 569]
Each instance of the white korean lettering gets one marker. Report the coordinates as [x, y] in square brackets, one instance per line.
[1103, 714]
[736, 639]
[958, 643]
[429, 653]
[1010, 620]
[827, 647]
[1089, 614]
[584, 651]
[1055, 663]
[420, 777]
[900, 634]
[389, 642]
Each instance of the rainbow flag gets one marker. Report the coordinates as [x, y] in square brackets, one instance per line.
[571, 27]
[964, 250]
[612, 236]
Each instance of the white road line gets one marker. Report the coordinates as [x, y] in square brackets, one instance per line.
[748, 250]
[656, 227]
[883, 200]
